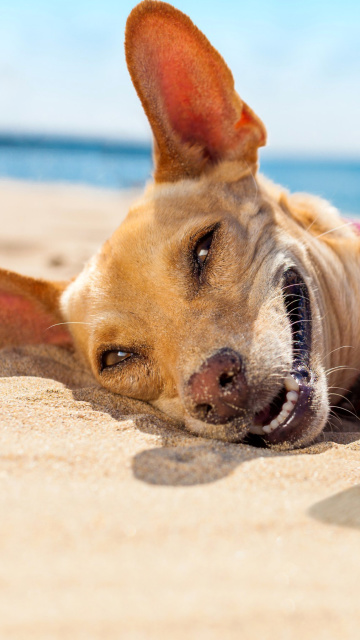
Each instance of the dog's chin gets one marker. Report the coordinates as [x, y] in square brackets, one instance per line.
[231, 431]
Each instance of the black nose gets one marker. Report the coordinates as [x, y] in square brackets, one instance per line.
[218, 391]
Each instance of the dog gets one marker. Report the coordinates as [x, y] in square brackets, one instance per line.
[223, 300]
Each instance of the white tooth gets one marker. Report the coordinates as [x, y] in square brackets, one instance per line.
[282, 415]
[292, 396]
[288, 406]
[274, 423]
[272, 426]
[256, 429]
[291, 384]
[267, 428]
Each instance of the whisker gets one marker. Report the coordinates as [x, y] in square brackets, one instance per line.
[345, 346]
[347, 411]
[342, 388]
[313, 222]
[341, 367]
[61, 323]
[335, 427]
[343, 397]
[346, 224]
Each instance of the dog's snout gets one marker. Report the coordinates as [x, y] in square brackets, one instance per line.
[217, 392]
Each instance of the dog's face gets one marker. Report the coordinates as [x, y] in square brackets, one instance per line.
[211, 301]
[203, 304]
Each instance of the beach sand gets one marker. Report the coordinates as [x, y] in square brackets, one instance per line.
[115, 524]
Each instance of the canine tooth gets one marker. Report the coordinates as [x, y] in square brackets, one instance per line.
[291, 384]
[292, 396]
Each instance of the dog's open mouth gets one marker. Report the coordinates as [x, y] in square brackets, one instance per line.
[284, 419]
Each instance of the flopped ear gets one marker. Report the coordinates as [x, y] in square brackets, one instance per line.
[188, 94]
[28, 309]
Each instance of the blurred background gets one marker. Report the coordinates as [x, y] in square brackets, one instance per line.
[69, 113]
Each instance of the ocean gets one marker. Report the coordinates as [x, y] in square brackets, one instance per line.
[116, 165]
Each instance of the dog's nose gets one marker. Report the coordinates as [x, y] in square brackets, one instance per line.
[218, 391]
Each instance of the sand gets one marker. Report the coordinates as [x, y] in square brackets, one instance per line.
[115, 524]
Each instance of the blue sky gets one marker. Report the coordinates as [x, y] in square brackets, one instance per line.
[62, 68]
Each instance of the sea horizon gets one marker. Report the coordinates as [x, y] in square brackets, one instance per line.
[122, 163]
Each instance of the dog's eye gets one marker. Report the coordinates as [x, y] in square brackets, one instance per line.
[111, 358]
[203, 247]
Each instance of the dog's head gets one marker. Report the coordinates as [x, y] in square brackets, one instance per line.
[211, 301]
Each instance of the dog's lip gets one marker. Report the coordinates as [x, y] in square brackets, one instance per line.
[298, 421]
[279, 421]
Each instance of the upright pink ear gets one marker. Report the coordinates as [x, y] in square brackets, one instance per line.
[28, 309]
[188, 94]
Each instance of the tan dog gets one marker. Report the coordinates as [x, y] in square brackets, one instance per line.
[221, 299]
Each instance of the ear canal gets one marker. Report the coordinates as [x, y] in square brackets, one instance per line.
[29, 309]
[188, 94]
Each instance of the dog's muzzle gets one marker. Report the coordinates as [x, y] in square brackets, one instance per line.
[217, 392]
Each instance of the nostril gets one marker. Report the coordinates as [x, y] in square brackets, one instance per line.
[226, 379]
[202, 410]
[218, 391]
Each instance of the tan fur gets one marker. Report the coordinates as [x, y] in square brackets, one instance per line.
[138, 293]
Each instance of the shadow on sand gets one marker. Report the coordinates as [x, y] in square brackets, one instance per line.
[342, 509]
[182, 459]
